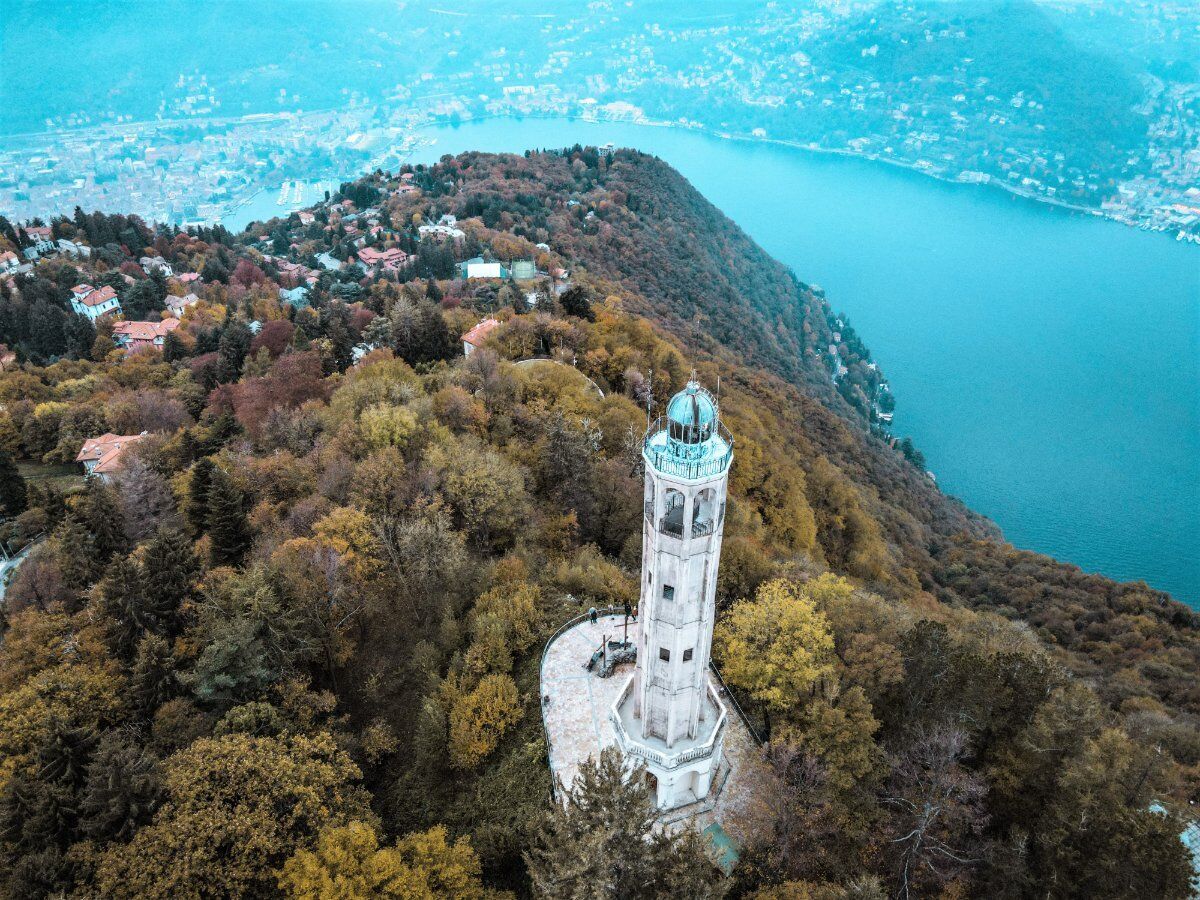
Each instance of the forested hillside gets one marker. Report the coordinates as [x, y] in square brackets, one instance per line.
[286, 640]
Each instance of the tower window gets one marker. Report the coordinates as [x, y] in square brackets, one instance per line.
[664, 654]
[668, 592]
[687, 654]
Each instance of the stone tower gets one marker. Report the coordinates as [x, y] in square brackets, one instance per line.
[669, 716]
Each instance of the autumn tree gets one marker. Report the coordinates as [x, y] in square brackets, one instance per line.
[236, 808]
[348, 864]
[777, 647]
[480, 717]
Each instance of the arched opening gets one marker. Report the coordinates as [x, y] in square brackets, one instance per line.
[704, 511]
[652, 785]
[672, 520]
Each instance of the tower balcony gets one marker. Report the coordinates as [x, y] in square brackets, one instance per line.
[688, 461]
[654, 751]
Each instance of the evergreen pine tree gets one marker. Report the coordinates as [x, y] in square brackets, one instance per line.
[123, 789]
[13, 496]
[228, 529]
[124, 606]
[198, 487]
[101, 515]
[604, 843]
[169, 568]
[152, 682]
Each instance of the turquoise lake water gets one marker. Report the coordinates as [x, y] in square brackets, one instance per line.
[1047, 363]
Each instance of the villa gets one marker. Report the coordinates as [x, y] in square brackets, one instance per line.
[133, 336]
[95, 302]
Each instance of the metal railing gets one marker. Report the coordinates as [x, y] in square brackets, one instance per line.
[737, 706]
[680, 466]
[675, 528]
[559, 632]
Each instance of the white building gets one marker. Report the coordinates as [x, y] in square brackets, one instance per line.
[95, 302]
[151, 264]
[474, 338]
[668, 716]
[73, 248]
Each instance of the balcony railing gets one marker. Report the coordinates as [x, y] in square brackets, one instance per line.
[680, 466]
[631, 746]
[667, 525]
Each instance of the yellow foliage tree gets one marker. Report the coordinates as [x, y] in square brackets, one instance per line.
[777, 647]
[237, 807]
[349, 864]
[387, 426]
[479, 719]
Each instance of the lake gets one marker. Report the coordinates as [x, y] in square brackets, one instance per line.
[1046, 363]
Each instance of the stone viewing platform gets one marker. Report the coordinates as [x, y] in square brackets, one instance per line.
[578, 712]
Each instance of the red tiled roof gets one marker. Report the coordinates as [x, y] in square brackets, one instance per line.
[476, 335]
[142, 332]
[99, 296]
[106, 450]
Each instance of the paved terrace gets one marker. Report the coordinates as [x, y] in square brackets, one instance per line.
[575, 706]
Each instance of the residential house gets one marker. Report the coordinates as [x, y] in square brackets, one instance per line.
[133, 336]
[190, 278]
[73, 248]
[101, 456]
[326, 261]
[443, 231]
[43, 242]
[9, 261]
[474, 338]
[297, 296]
[371, 260]
[151, 263]
[478, 268]
[176, 306]
[31, 253]
[95, 302]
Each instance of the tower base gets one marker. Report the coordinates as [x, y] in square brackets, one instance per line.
[679, 774]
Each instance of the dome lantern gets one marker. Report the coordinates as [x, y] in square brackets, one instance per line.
[692, 415]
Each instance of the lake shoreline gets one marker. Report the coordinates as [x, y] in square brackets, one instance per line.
[1012, 190]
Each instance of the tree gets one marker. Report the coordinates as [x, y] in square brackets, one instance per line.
[1099, 833]
[152, 681]
[349, 864]
[146, 500]
[232, 350]
[841, 736]
[13, 496]
[777, 647]
[236, 808]
[479, 719]
[228, 528]
[577, 301]
[938, 813]
[170, 569]
[124, 788]
[198, 486]
[604, 843]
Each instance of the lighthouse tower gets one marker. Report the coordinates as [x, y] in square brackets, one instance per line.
[669, 716]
